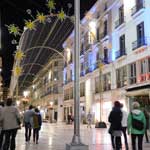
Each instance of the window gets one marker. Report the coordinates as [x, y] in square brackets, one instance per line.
[121, 17]
[144, 70]
[121, 75]
[66, 94]
[140, 37]
[97, 87]
[105, 27]
[105, 55]
[82, 89]
[97, 34]
[140, 34]
[121, 14]
[143, 66]
[71, 93]
[132, 73]
[55, 73]
[139, 5]
[106, 82]
[56, 63]
[82, 69]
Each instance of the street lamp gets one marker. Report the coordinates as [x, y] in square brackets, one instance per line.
[76, 143]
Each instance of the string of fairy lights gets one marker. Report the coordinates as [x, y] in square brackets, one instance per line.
[56, 20]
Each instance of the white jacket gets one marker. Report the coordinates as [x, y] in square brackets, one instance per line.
[9, 118]
[124, 118]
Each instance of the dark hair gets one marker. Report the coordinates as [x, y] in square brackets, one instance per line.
[9, 102]
[117, 104]
[2, 103]
[36, 110]
[30, 107]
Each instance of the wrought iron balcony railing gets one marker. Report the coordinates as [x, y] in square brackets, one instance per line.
[119, 22]
[120, 53]
[138, 43]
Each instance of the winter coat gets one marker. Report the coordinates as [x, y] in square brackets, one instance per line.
[10, 116]
[139, 115]
[115, 119]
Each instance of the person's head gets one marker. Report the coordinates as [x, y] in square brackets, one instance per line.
[36, 110]
[117, 104]
[30, 107]
[9, 102]
[135, 105]
[2, 103]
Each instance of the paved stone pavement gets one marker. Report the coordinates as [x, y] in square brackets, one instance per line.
[56, 136]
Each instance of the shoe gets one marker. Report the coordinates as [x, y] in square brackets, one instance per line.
[36, 142]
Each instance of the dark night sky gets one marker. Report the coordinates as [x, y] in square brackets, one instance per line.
[14, 11]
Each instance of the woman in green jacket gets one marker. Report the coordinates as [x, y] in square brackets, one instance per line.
[136, 125]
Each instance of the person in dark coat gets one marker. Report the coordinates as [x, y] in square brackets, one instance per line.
[115, 118]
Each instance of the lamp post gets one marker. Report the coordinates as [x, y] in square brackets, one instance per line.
[76, 143]
[100, 124]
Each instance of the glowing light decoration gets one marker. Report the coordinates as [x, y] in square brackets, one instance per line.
[30, 24]
[13, 29]
[41, 17]
[17, 71]
[61, 15]
[51, 5]
[19, 55]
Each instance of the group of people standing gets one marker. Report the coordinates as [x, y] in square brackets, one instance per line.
[121, 122]
[10, 122]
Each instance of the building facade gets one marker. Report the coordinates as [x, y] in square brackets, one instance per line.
[114, 58]
[46, 91]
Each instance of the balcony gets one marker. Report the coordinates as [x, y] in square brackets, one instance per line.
[105, 60]
[119, 22]
[139, 43]
[136, 8]
[120, 53]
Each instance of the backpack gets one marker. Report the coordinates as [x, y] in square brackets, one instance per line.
[137, 124]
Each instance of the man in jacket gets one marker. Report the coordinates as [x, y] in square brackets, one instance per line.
[27, 122]
[135, 131]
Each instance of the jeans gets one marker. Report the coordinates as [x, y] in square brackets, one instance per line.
[116, 142]
[125, 136]
[1, 138]
[10, 139]
[140, 141]
[27, 131]
[36, 134]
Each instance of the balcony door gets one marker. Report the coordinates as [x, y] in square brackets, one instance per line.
[140, 34]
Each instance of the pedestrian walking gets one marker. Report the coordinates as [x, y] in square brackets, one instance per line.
[10, 124]
[36, 125]
[28, 114]
[1, 129]
[147, 125]
[136, 126]
[89, 120]
[115, 118]
[124, 126]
